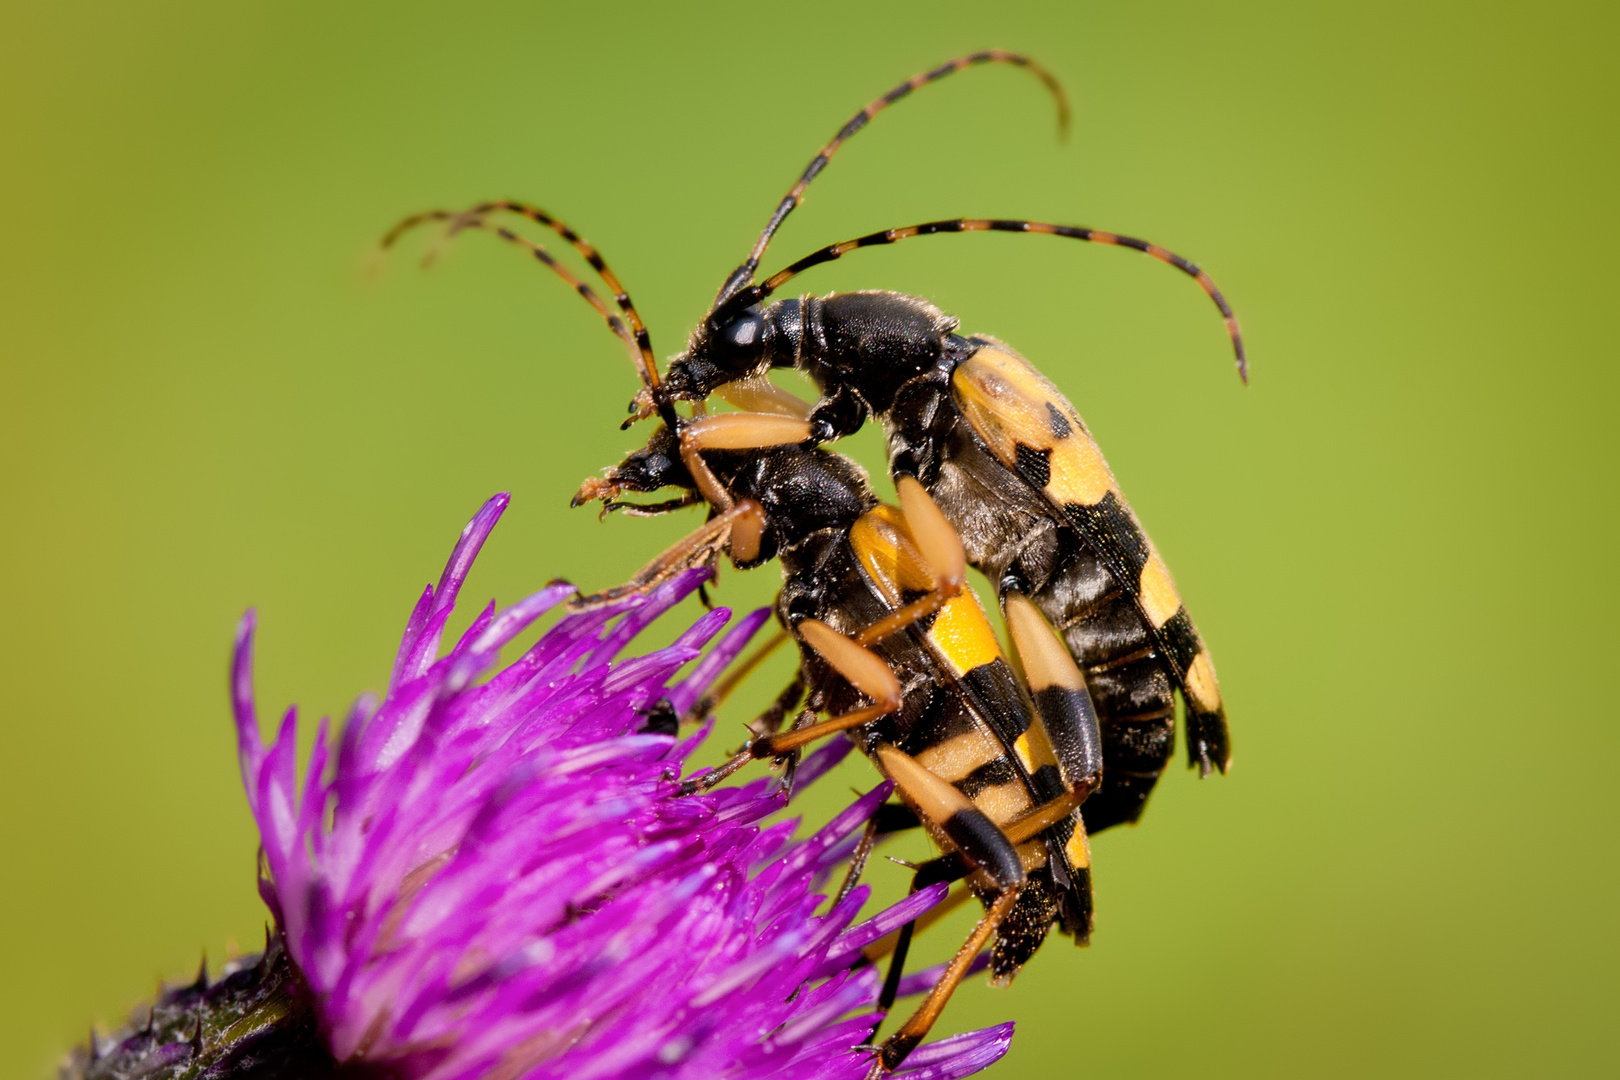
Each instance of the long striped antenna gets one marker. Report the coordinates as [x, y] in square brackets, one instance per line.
[634, 335]
[753, 294]
[745, 273]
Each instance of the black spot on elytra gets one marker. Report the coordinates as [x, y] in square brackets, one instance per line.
[1036, 465]
[1060, 423]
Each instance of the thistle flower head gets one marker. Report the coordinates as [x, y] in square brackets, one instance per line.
[491, 873]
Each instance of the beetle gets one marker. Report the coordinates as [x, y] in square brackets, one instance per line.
[984, 452]
[1008, 460]
[899, 654]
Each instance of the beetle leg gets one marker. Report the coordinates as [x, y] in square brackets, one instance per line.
[857, 862]
[740, 524]
[897, 1046]
[991, 853]
[942, 552]
[866, 671]
[760, 395]
[1059, 692]
[733, 431]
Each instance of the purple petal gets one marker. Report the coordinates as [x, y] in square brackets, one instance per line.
[686, 694]
[249, 749]
[821, 762]
[500, 877]
[959, 1055]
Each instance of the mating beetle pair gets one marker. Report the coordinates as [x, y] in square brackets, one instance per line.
[994, 470]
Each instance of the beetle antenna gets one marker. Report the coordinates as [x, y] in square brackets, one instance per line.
[634, 335]
[753, 294]
[745, 273]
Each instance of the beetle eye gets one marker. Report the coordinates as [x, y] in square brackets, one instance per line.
[737, 344]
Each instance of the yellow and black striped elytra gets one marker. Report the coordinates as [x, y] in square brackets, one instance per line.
[1014, 469]
[965, 718]
[1009, 462]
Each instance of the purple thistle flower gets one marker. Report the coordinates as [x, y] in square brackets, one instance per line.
[499, 879]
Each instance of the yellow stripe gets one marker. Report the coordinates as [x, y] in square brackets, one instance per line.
[1079, 473]
[1034, 749]
[1008, 403]
[1003, 802]
[957, 757]
[1201, 685]
[1078, 849]
[962, 635]
[1159, 597]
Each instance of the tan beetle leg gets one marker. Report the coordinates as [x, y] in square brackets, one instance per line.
[1058, 691]
[885, 945]
[987, 849]
[699, 547]
[733, 431]
[866, 671]
[763, 396]
[915, 1029]
[1043, 817]
[941, 550]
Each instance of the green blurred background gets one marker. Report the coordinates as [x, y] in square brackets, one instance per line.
[1397, 541]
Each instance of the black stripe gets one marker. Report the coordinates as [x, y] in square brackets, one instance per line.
[1035, 465]
[1110, 528]
[1071, 724]
[1142, 747]
[990, 774]
[933, 717]
[815, 166]
[994, 689]
[1180, 642]
[977, 837]
[1048, 783]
